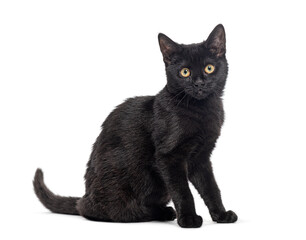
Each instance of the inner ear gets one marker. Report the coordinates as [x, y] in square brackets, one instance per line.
[216, 41]
[167, 47]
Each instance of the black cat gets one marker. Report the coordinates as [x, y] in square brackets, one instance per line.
[151, 146]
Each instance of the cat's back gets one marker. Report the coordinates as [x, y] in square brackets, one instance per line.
[123, 153]
[127, 130]
[133, 112]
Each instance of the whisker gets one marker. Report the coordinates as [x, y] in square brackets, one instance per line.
[181, 99]
[173, 98]
[176, 95]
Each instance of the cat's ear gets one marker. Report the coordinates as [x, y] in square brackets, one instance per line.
[167, 47]
[216, 41]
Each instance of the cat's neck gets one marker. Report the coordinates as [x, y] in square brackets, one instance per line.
[179, 99]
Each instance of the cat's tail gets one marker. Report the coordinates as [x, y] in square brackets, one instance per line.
[55, 203]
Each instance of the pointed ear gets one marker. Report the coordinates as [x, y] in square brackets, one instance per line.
[167, 47]
[216, 41]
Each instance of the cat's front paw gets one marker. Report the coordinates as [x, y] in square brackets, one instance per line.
[225, 217]
[190, 221]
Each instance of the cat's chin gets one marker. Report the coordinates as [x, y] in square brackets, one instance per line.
[198, 95]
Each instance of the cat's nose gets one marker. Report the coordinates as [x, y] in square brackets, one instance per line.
[199, 83]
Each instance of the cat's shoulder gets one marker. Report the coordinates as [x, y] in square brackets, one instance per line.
[137, 103]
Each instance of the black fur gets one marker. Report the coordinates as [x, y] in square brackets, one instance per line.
[151, 146]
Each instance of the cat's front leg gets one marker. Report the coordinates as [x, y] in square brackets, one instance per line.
[174, 173]
[200, 173]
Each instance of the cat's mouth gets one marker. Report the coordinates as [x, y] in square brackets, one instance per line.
[199, 93]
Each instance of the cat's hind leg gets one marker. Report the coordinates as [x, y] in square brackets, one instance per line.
[91, 209]
[94, 210]
[163, 213]
[134, 212]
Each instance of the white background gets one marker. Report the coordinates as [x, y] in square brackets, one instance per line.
[64, 65]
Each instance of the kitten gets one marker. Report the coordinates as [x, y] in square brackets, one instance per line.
[151, 146]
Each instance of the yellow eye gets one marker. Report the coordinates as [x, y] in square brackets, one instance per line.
[209, 69]
[185, 72]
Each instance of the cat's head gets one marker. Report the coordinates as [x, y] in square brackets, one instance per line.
[196, 69]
